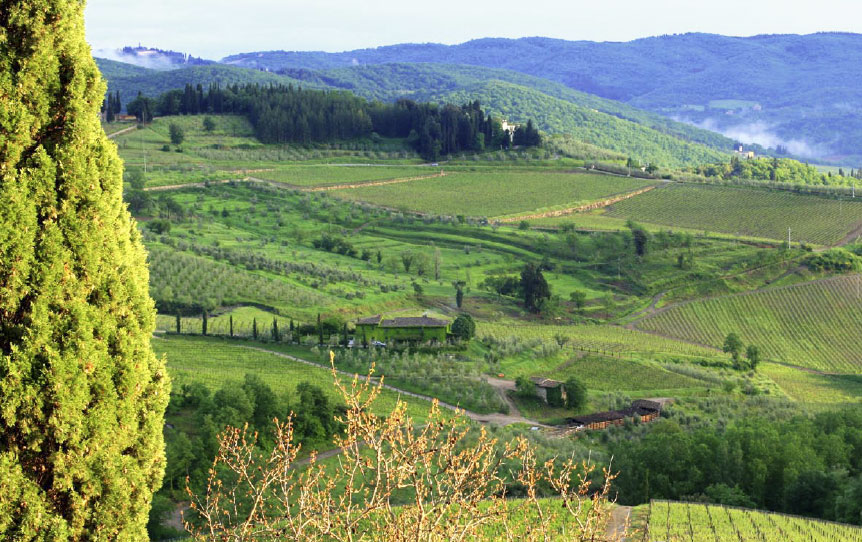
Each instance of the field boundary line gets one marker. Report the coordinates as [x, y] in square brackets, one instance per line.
[581, 208]
[350, 186]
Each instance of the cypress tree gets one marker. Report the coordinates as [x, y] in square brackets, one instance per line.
[204, 322]
[275, 329]
[254, 328]
[179, 323]
[82, 396]
[231, 325]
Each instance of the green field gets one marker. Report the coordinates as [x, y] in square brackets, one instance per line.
[815, 324]
[601, 373]
[688, 522]
[495, 193]
[215, 361]
[744, 212]
[333, 174]
[601, 339]
[816, 389]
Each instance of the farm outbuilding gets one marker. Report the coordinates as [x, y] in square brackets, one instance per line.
[643, 408]
[550, 391]
[408, 328]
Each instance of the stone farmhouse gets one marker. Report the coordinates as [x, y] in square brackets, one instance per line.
[407, 329]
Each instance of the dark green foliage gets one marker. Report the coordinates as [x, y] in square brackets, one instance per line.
[524, 387]
[733, 346]
[203, 413]
[82, 396]
[209, 124]
[782, 170]
[534, 288]
[177, 134]
[204, 318]
[802, 465]
[834, 259]
[579, 298]
[143, 108]
[286, 114]
[752, 354]
[463, 328]
[576, 393]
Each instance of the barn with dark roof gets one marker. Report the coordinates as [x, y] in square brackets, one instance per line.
[645, 409]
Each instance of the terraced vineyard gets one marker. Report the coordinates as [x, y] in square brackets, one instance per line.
[744, 212]
[606, 339]
[685, 522]
[815, 389]
[495, 193]
[815, 324]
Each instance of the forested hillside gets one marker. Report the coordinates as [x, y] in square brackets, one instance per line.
[786, 90]
[556, 109]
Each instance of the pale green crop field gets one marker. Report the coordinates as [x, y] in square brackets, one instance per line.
[688, 522]
[495, 193]
[743, 212]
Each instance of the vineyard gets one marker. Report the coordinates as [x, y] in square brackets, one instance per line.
[686, 522]
[744, 212]
[815, 324]
[188, 280]
[496, 192]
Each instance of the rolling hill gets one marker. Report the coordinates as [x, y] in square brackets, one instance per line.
[772, 89]
[648, 137]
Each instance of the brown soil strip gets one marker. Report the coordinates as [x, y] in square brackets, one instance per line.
[123, 131]
[581, 208]
[370, 183]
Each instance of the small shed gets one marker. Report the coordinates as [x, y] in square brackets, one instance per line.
[550, 391]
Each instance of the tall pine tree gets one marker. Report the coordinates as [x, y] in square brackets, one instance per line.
[82, 396]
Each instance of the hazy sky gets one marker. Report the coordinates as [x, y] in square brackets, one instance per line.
[216, 28]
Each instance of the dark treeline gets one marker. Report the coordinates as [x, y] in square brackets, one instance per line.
[111, 106]
[806, 466]
[286, 114]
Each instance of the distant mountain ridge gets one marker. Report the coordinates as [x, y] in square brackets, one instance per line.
[780, 90]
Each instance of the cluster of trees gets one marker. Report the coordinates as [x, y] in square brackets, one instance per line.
[332, 243]
[111, 106]
[733, 345]
[286, 114]
[531, 286]
[807, 466]
[783, 170]
[190, 450]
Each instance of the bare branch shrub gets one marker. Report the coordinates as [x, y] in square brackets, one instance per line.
[395, 480]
